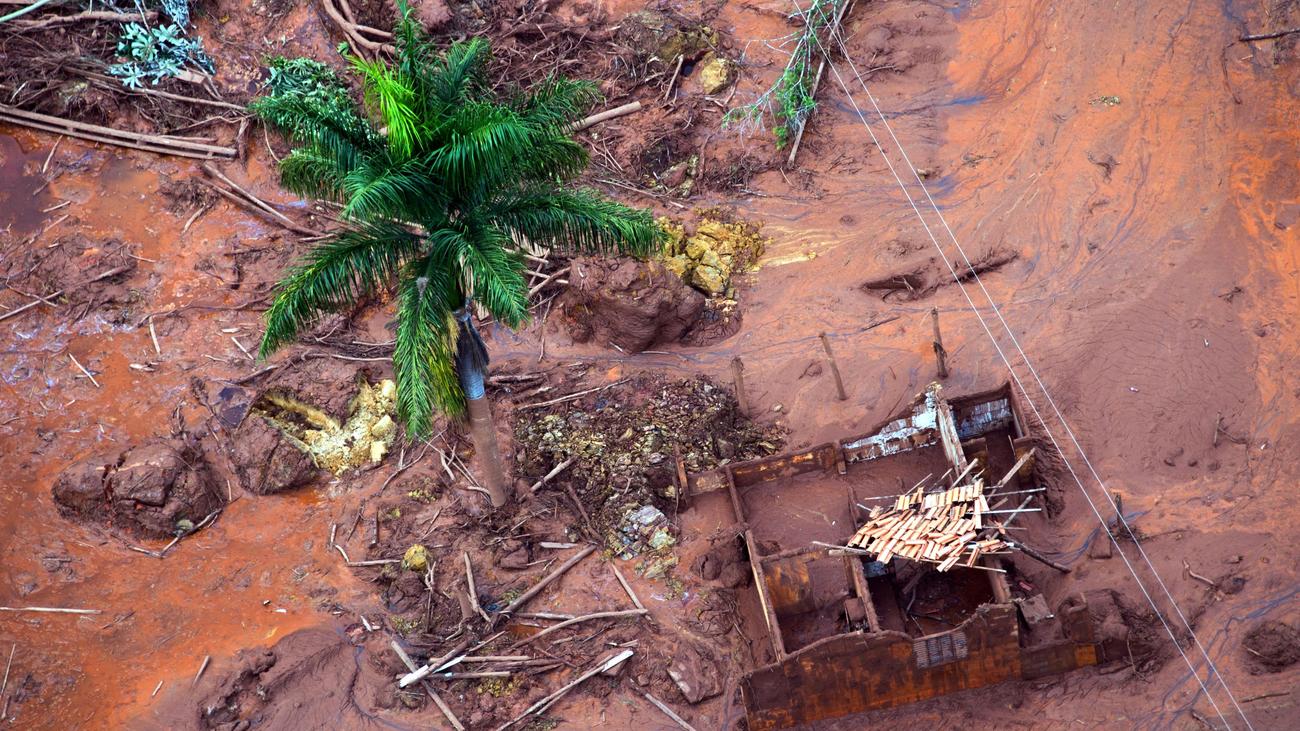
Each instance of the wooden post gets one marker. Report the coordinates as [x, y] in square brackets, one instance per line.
[940, 354]
[738, 373]
[835, 369]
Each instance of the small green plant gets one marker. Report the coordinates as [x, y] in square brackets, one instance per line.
[789, 101]
[161, 51]
[403, 625]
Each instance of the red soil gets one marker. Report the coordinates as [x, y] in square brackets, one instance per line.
[1120, 294]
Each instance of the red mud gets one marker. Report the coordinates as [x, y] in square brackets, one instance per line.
[1154, 292]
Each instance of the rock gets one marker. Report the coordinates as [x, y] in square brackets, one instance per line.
[632, 304]
[513, 555]
[716, 73]
[150, 490]
[709, 279]
[1100, 547]
[266, 461]
[416, 559]
[432, 14]
[695, 673]
[710, 257]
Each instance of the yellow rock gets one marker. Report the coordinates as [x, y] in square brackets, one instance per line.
[416, 559]
[680, 265]
[709, 279]
[715, 73]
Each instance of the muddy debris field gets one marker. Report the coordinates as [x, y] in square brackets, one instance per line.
[939, 369]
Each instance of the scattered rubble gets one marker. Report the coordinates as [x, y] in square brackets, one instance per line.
[719, 248]
[624, 440]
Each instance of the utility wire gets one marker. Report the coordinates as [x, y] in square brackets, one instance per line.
[1046, 394]
[1092, 504]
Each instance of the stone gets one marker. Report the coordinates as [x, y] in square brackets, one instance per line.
[695, 674]
[416, 559]
[150, 489]
[708, 279]
[716, 73]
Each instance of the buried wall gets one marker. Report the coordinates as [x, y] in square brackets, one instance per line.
[864, 671]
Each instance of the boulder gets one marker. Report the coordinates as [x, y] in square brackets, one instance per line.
[632, 304]
[156, 489]
[715, 73]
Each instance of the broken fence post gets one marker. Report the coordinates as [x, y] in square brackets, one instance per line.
[940, 355]
[738, 374]
[835, 369]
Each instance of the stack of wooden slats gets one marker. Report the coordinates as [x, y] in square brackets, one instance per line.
[942, 528]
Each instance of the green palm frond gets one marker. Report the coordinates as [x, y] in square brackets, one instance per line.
[434, 148]
[426, 344]
[485, 141]
[558, 102]
[378, 189]
[336, 275]
[494, 270]
[307, 172]
[460, 71]
[580, 221]
[391, 99]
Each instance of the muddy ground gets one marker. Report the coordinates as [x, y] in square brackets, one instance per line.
[1126, 175]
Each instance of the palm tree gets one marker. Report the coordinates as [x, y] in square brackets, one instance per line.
[441, 182]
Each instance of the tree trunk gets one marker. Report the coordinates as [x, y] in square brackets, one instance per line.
[489, 455]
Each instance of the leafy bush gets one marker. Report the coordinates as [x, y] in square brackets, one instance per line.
[161, 51]
[790, 101]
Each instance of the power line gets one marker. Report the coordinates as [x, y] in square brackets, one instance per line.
[1213, 669]
[1051, 402]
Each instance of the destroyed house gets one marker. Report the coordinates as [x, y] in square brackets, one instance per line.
[878, 564]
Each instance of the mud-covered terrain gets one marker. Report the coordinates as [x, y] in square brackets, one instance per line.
[1122, 177]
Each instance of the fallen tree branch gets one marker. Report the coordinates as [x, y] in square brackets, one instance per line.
[85, 15]
[1034, 554]
[161, 144]
[423, 672]
[626, 586]
[619, 614]
[44, 300]
[1268, 36]
[817, 82]
[550, 700]
[666, 710]
[606, 115]
[433, 695]
[573, 396]
[551, 475]
[536, 588]
[52, 610]
[105, 81]
[259, 203]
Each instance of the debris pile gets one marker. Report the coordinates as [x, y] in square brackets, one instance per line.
[624, 441]
[943, 528]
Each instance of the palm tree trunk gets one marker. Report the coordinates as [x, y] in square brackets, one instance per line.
[471, 367]
[485, 443]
